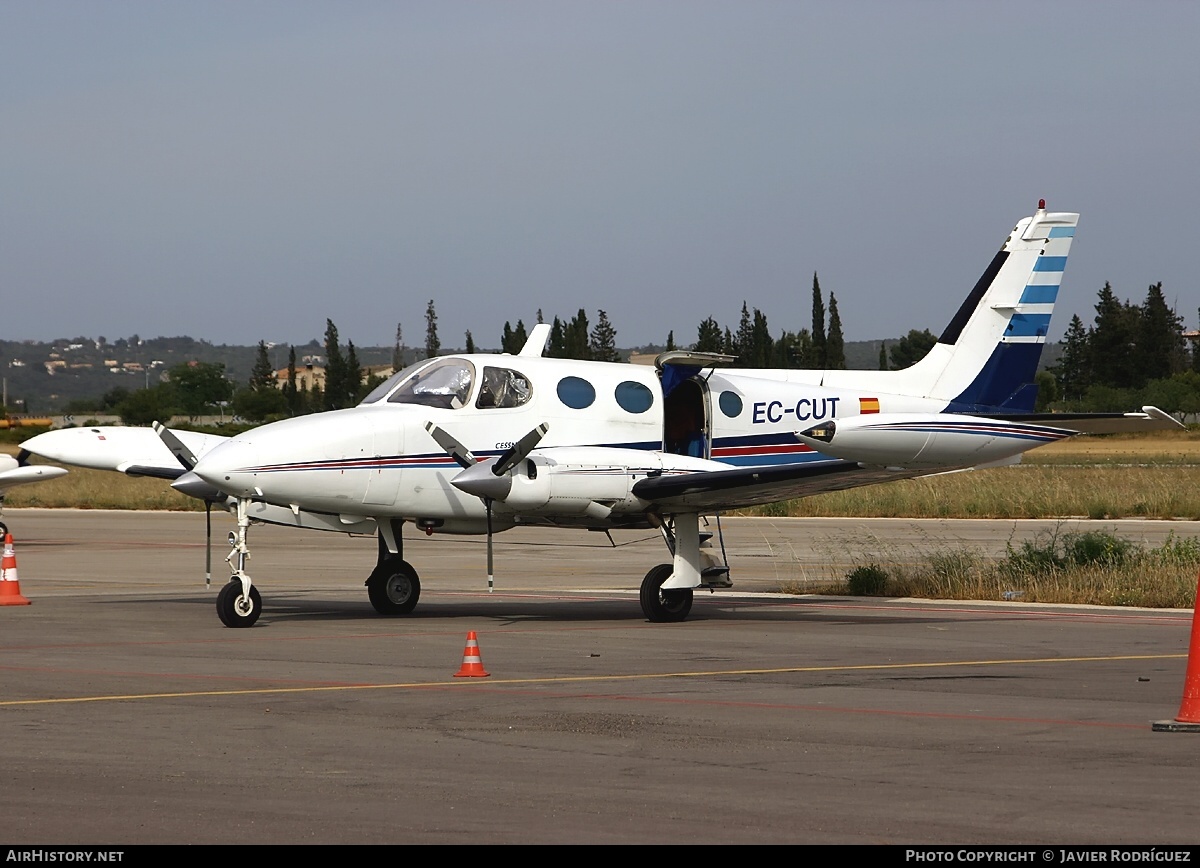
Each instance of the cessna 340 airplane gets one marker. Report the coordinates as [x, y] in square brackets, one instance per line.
[479, 443]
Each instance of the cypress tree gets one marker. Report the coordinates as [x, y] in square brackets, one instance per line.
[835, 346]
[708, 337]
[761, 345]
[743, 342]
[294, 403]
[262, 375]
[818, 325]
[1073, 370]
[335, 370]
[576, 336]
[398, 349]
[433, 346]
[1111, 342]
[352, 383]
[1159, 348]
[602, 342]
[557, 348]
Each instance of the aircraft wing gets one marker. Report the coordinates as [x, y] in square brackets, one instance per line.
[719, 490]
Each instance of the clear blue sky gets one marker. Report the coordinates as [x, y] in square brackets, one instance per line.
[238, 171]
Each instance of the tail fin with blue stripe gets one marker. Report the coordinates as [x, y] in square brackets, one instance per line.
[985, 360]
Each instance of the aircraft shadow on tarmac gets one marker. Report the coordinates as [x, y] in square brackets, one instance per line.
[291, 608]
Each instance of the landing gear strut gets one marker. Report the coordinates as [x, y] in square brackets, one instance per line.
[393, 587]
[239, 603]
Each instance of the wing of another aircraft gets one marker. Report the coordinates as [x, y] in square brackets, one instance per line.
[132, 451]
[13, 473]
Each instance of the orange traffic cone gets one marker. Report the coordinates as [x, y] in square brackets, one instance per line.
[1188, 719]
[10, 587]
[472, 665]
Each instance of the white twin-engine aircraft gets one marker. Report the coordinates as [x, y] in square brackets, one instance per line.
[473, 444]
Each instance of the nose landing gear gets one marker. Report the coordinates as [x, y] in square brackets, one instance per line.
[239, 603]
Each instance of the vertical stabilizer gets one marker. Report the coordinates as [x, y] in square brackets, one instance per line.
[986, 358]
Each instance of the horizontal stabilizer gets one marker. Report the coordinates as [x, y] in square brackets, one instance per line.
[1149, 419]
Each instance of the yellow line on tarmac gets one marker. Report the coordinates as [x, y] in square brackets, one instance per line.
[578, 679]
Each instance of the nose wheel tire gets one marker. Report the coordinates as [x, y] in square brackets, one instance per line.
[663, 607]
[394, 588]
[236, 609]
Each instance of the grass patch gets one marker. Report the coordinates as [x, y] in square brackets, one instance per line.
[1085, 568]
[1035, 491]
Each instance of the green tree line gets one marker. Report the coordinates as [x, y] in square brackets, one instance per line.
[1131, 355]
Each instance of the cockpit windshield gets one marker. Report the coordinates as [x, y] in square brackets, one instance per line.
[444, 383]
[394, 380]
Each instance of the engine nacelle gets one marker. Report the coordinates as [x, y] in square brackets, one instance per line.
[575, 480]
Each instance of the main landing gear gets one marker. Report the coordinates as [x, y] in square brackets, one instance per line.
[666, 592]
[393, 586]
[664, 606]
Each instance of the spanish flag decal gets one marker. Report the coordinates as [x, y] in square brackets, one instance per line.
[868, 405]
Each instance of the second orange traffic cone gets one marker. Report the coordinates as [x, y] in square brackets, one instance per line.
[10, 587]
[472, 664]
[1188, 719]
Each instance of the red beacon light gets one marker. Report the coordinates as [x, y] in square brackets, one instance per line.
[1041, 204]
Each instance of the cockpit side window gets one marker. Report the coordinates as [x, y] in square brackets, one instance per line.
[502, 388]
[446, 383]
[394, 380]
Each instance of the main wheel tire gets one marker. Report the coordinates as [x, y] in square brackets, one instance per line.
[394, 588]
[664, 607]
[233, 607]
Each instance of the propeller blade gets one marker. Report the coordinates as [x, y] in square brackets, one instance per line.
[182, 454]
[208, 543]
[516, 453]
[453, 448]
